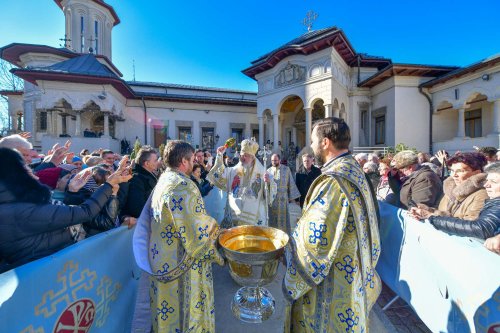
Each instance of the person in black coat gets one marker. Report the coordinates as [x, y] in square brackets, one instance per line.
[487, 225]
[141, 185]
[106, 219]
[305, 176]
[30, 226]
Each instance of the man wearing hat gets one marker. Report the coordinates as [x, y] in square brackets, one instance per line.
[245, 184]
[418, 185]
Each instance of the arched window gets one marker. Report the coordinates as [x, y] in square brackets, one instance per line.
[82, 34]
[96, 37]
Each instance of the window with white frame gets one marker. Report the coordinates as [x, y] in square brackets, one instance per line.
[473, 123]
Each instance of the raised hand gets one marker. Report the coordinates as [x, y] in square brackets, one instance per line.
[441, 156]
[26, 135]
[58, 153]
[221, 150]
[79, 180]
[119, 176]
[69, 158]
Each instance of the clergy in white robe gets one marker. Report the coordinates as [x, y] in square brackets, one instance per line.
[248, 186]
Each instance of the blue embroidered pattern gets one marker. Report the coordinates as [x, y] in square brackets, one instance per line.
[209, 255]
[317, 233]
[375, 252]
[318, 270]
[200, 206]
[319, 199]
[164, 310]
[201, 304]
[154, 287]
[182, 230]
[351, 320]
[347, 267]
[369, 278]
[165, 269]
[154, 251]
[169, 234]
[351, 227]
[203, 232]
[177, 204]
[197, 266]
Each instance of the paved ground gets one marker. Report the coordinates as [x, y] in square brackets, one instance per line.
[400, 314]
[399, 318]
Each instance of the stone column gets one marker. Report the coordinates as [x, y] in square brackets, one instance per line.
[270, 128]
[276, 132]
[496, 116]
[13, 122]
[294, 135]
[106, 124]
[336, 112]
[50, 123]
[461, 123]
[308, 112]
[328, 110]
[78, 124]
[261, 132]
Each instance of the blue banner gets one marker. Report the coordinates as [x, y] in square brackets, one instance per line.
[90, 286]
[453, 283]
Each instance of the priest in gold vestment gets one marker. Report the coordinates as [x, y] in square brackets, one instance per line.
[287, 193]
[181, 249]
[331, 283]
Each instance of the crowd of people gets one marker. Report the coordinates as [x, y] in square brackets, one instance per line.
[51, 201]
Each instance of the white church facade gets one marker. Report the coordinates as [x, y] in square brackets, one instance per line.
[70, 92]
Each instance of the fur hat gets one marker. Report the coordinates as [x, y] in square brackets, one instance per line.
[404, 158]
[249, 147]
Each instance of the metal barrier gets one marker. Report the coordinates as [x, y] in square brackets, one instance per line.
[368, 150]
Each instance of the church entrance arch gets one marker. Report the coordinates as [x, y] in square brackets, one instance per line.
[98, 125]
[289, 107]
[317, 113]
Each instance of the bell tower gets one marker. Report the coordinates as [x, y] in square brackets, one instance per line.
[88, 25]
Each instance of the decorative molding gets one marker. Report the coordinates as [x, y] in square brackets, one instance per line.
[208, 124]
[382, 111]
[289, 75]
[183, 123]
[237, 125]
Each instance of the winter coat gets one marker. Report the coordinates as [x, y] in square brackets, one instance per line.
[463, 201]
[304, 179]
[485, 226]
[140, 187]
[422, 186]
[105, 220]
[384, 192]
[204, 186]
[31, 231]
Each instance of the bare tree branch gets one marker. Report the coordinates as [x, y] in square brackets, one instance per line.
[8, 81]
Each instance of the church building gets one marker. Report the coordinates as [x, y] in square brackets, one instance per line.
[77, 92]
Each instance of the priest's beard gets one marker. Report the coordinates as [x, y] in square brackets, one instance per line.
[319, 160]
[246, 171]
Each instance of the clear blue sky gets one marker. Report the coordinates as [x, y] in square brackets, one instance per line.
[208, 43]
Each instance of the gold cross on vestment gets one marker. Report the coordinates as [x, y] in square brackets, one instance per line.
[308, 21]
